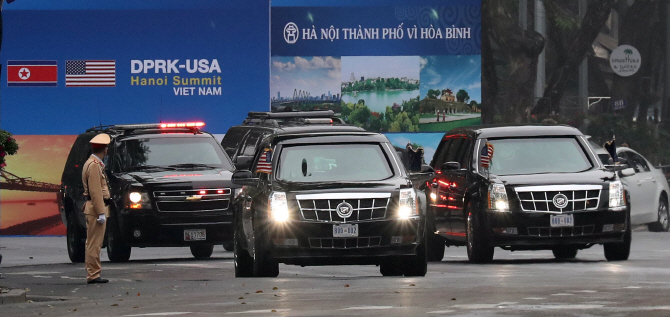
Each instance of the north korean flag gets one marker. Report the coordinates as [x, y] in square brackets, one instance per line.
[32, 73]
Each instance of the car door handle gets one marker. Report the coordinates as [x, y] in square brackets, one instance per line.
[650, 179]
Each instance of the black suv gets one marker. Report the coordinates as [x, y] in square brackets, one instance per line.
[170, 186]
[525, 188]
[328, 195]
[240, 141]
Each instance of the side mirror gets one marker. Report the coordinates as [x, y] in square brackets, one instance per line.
[243, 162]
[244, 177]
[450, 166]
[627, 172]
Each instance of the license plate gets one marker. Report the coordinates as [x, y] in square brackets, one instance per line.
[194, 235]
[345, 230]
[562, 221]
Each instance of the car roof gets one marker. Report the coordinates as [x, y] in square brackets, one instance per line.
[162, 134]
[331, 137]
[499, 131]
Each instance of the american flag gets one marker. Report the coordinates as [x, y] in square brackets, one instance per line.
[90, 73]
[486, 155]
[265, 162]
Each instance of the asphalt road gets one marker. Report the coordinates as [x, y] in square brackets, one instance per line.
[168, 282]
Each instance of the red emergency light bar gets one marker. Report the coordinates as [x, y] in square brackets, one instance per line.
[182, 125]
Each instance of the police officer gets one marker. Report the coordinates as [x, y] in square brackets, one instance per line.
[97, 195]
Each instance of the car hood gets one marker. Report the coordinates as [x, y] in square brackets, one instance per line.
[594, 176]
[212, 178]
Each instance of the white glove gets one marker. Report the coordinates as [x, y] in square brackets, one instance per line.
[102, 218]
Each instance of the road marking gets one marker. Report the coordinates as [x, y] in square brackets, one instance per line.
[632, 287]
[32, 273]
[586, 291]
[260, 311]
[160, 314]
[441, 311]
[535, 298]
[72, 278]
[562, 294]
[41, 276]
[367, 307]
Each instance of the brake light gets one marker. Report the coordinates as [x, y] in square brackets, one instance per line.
[182, 125]
[202, 192]
[220, 191]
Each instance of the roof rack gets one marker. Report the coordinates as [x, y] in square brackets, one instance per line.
[292, 117]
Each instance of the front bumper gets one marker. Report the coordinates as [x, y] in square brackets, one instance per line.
[533, 230]
[310, 243]
[168, 230]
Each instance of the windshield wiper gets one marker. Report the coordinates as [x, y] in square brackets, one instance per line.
[148, 167]
[191, 165]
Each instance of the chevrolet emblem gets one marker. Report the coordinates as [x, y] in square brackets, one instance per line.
[194, 198]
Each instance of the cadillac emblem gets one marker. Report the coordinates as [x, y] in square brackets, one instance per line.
[560, 201]
[344, 209]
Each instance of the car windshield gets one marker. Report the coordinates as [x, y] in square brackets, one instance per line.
[333, 162]
[171, 153]
[537, 155]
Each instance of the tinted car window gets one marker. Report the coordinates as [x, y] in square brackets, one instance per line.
[453, 154]
[442, 151]
[537, 155]
[232, 139]
[163, 152]
[334, 162]
[637, 162]
[464, 152]
[250, 143]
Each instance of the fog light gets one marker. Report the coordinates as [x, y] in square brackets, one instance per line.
[511, 230]
[433, 196]
[396, 239]
[291, 242]
[137, 233]
[608, 227]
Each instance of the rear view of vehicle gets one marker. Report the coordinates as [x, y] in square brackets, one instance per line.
[170, 186]
[328, 199]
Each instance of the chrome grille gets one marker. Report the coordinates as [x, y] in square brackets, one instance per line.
[322, 207]
[540, 198]
[345, 243]
[192, 200]
[561, 231]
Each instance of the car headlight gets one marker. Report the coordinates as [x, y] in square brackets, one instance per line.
[498, 198]
[278, 207]
[407, 206]
[138, 200]
[616, 194]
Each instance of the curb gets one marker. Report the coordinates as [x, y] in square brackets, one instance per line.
[14, 296]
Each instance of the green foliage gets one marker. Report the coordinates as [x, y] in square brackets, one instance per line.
[8, 146]
[404, 120]
[564, 23]
[433, 93]
[462, 96]
[379, 84]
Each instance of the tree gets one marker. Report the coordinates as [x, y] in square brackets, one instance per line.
[462, 96]
[432, 93]
[597, 13]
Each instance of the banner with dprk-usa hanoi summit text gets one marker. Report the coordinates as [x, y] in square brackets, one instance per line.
[396, 67]
[69, 65]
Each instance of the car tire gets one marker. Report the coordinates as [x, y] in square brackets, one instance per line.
[202, 251]
[435, 246]
[229, 246]
[565, 253]
[263, 265]
[243, 261]
[619, 251]
[478, 245]
[391, 267]
[663, 222]
[417, 265]
[76, 240]
[117, 249]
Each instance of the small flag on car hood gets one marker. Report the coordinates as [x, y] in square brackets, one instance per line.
[486, 155]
